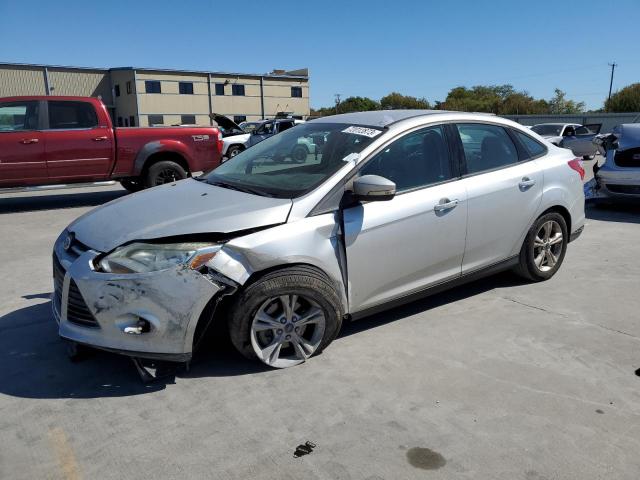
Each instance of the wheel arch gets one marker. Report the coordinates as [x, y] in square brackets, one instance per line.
[562, 211]
[153, 152]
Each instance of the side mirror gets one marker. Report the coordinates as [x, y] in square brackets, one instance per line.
[373, 188]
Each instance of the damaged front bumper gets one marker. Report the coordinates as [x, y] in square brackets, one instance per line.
[149, 315]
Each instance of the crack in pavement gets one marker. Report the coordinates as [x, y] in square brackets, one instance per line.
[535, 307]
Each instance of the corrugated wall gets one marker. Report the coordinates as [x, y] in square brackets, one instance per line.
[21, 81]
[608, 120]
[88, 83]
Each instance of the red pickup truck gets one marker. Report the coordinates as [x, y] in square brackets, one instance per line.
[51, 140]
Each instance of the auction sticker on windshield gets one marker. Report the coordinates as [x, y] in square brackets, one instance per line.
[367, 132]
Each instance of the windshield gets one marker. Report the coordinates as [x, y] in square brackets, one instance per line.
[547, 130]
[293, 162]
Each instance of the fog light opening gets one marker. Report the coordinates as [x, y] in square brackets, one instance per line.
[141, 326]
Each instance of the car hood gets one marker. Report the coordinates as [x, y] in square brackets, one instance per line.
[182, 208]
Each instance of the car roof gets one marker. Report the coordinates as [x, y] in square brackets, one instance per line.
[383, 118]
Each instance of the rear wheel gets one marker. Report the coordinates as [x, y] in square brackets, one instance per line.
[132, 184]
[544, 248]
[286, 317]
[163, 172]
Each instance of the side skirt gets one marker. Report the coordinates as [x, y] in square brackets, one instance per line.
[440, 287]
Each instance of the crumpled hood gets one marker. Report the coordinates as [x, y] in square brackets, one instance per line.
[185, 207]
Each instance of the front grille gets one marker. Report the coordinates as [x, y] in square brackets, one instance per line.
[624, 189]
[628, 158]
[77, 310]
[58, 283]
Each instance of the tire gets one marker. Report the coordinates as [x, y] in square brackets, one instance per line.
[313, 298]
[588, 157]
[536, 265]
[164, 171]
[299, 154]
[132, 184]
[234, 150]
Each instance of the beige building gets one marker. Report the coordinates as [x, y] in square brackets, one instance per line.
[142, 96]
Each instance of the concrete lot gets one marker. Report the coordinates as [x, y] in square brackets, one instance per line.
[494, 380]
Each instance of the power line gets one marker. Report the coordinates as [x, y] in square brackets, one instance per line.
[613, 67]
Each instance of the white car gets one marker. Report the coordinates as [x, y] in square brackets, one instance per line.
[577, 138]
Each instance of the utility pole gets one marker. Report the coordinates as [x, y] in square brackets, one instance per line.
[613, 67]
[337, 95]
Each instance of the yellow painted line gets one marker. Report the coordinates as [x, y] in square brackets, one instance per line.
[64, 454]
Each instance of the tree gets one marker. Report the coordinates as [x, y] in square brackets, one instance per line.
[625, 100]
[397, 101]
[559, 104]
[357, 104]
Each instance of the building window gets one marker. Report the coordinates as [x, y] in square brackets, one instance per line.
[126, 122]
[219, 88]
[156, 120]
[188, 119]
[120, 121]
[296, 92]
[152, 86]
[237, 90]
[132, 121]
[128, 88]
[239, 118]
[117, 90]
[185, 88]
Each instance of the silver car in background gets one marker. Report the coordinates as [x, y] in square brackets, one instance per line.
[619, 176]
[394, 205]
[577, 138]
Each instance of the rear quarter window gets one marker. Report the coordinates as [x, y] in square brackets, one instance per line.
[532, 146]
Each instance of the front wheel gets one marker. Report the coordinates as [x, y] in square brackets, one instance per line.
[286, 317]
[544, 248]
[163, 172]
[234, 150]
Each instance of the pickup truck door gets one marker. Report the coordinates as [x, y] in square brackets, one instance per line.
[581, 140]
[22, 157]
[77, 146]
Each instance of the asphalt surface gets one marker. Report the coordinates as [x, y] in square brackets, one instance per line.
[497, 379]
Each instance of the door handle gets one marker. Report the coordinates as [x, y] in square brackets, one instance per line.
[526, 183]
[445, 204]
[27, 141]
[100, 139]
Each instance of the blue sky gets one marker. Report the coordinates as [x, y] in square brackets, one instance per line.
[368, 48]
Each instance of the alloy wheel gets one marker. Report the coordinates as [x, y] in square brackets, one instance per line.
[547, 246]
[286, 330]
[167, 175]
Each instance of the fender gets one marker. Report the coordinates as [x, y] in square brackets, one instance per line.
[159, 146]
[311, 241]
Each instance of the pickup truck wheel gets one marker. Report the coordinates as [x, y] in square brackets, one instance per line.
[132, 185]
[163, 172]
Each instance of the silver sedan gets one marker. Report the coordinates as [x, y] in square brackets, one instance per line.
[391, 205]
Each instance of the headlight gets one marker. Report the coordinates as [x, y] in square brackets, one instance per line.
[147, 257]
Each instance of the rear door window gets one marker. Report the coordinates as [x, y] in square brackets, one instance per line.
[486, 147]
[16, 116]
[71, 115]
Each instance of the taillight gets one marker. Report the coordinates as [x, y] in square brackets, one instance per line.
[219, 142]
[576, 164]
